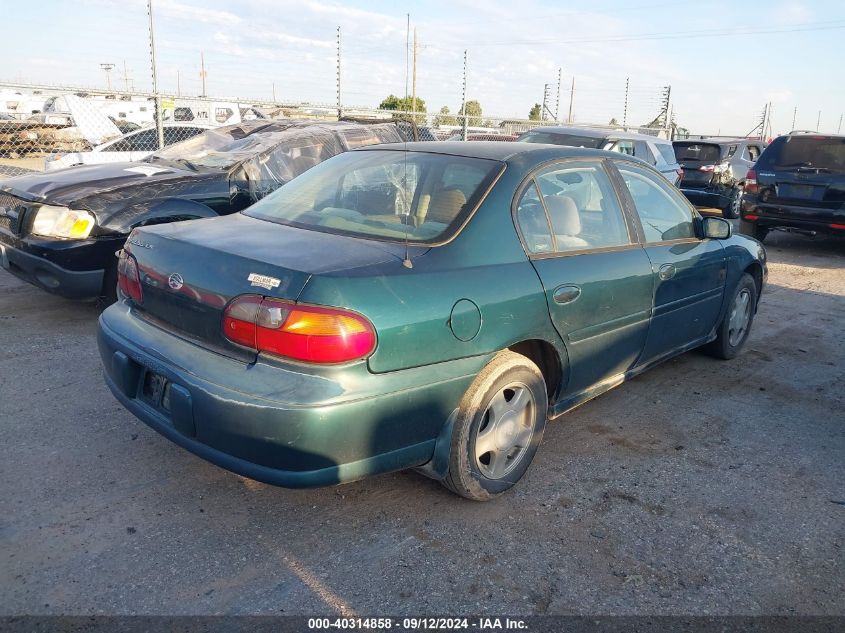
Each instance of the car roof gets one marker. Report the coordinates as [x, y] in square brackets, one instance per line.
[493, 150]
[717, 141]
[591, 132]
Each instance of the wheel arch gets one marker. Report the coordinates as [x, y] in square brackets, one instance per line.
[548, 359]
[755, 269]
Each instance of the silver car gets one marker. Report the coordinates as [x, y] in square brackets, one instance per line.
[655, 151]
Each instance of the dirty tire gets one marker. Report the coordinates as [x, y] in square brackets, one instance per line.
[507, 369]
[734, 205]
[729, 340]
[750, 228]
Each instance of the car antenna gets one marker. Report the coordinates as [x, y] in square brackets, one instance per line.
[407, 263]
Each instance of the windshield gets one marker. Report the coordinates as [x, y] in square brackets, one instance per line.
[697, 152]
[554, 138]
[385, 194]
[825, 153]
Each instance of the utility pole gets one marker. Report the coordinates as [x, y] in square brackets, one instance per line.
[818, 120]
[274, 92]
[625, 111]
[178, 84]
[839, 129]
[156, 96]
[557, 101]
[794, 115]
[202, 72]
[571, 99]
[125, 76]
[339, 106]
[414, 80]
[108, 68]
[464, 101]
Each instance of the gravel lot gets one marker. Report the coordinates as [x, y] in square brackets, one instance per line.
[701, 487]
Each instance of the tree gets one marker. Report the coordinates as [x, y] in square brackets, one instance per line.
[536, 111]
[614, 122]
[473, 112]
[407, 104]
[445, 118]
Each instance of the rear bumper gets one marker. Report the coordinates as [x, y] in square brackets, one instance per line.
[801, 218]
[38, 264]
[718, 198]
[282, 424]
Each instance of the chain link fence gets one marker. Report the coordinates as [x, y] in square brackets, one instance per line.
[44, 127]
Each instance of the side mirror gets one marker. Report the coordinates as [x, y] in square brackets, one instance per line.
[716, 228]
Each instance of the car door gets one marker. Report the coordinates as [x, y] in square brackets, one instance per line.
[596, 277]
[688, 272]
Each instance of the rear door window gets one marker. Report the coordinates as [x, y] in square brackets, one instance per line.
[581, 209]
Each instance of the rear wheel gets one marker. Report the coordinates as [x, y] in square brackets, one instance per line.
[754, 230]
[499, 427]
[735, 204]
[735, 327]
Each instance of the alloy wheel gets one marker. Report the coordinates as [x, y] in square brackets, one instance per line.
[505, 431]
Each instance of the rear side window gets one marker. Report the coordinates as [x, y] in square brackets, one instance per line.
[826, 153]
[705, 153]
[667, 152]
[624, 147]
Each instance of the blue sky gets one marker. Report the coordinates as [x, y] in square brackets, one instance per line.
[724, 60]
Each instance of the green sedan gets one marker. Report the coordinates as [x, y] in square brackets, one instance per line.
[426, 305]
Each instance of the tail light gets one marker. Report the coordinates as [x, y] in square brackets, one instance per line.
[680, 172]
[312, 334]
[751, 182]
[128, 277]
[707, 168]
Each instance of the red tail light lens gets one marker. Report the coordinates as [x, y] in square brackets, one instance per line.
[128, 277]
[751, 182]
[312, 334]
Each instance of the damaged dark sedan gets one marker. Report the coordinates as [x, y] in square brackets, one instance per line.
[60, 230]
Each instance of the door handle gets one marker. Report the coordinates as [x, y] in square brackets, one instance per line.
[566, 294]
[666, 271]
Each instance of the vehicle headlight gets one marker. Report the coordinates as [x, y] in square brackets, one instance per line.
[63, 222]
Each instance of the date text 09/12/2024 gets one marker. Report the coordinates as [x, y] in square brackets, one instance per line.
[418, 624]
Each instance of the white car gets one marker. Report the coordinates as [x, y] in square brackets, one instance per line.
[134, 146]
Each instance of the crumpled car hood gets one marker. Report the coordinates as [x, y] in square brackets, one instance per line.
[98, 187]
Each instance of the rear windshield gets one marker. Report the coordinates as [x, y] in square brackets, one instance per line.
[383, 194]
[697, 152]
[791, 152]
[668, 152]
[570, 140]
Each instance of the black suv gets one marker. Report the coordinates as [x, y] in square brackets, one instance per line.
[797, 185]
[715, 169]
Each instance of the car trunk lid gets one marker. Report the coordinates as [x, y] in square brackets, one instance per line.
[191, 270]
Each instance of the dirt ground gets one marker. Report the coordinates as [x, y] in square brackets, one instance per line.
[701, 487]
